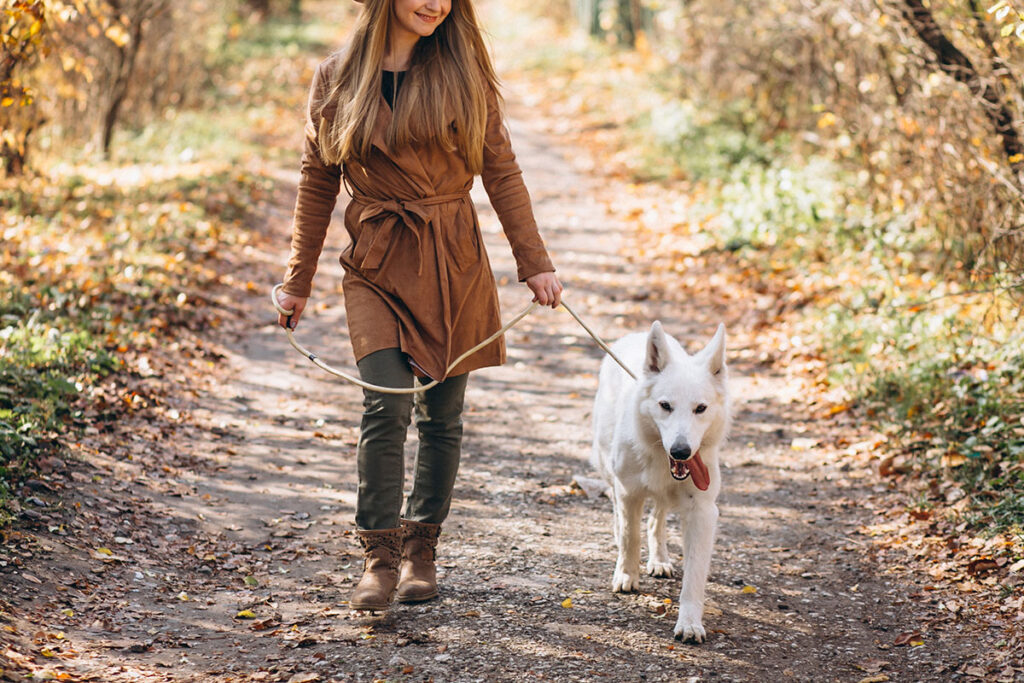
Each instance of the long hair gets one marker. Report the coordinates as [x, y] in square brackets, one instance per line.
[443, 96]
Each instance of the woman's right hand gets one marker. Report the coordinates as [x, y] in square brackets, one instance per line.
[295, 304]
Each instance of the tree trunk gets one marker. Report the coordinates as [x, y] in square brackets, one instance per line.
[13, 159]
[118, 91]
[588, 13]
[260, 7]
[955, 63]
[127, 54]
[626, 22]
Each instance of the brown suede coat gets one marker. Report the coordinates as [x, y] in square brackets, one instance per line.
[417, 275]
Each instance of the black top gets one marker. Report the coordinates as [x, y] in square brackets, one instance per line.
[388, 86]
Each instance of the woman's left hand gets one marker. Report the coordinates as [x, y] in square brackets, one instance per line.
[547, 290]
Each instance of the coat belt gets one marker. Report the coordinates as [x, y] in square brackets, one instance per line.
[412, 214]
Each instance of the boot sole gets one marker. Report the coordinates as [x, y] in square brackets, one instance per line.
[417, 598]
[366, 607]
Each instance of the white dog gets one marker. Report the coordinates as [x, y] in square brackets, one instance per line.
[658, 437]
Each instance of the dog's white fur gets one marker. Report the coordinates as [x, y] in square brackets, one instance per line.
[634, 434]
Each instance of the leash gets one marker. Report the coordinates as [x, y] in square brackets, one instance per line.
[424, 387]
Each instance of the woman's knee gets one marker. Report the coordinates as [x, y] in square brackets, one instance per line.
[440, 409]
[388, 407]
[386, 367]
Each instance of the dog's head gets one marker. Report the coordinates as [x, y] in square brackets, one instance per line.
[684, 398]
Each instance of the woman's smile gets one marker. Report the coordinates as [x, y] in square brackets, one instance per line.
[416, 19]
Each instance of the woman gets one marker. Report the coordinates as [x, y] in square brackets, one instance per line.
[406, 116]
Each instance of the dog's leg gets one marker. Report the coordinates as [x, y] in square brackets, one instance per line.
[658, 562]
[698, 541]
[628, 513]
[615, 519]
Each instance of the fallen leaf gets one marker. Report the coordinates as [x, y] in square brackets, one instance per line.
[980, 565]
[885, 467]
[872, 666]
[906, 637]
[749, 589]
[107, 555]
[246, 614]
[567, 603]
[838, 408]
[880, 678]
[264, 624]
[952, 460]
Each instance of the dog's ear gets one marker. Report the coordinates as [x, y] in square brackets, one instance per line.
[657, 350]
[714, 352]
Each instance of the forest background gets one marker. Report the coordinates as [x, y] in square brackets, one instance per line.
[858, 166]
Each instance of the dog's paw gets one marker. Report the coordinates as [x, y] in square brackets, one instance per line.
[625, 582]
[688, 625]
[662, 569]
[687, 631]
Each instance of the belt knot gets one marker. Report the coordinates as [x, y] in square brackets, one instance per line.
[413, 214]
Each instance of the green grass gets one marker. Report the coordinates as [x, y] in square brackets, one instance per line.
[43, 371]
[93, 273]
[104, 262]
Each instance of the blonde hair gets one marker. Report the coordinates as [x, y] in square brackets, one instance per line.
[443, 96]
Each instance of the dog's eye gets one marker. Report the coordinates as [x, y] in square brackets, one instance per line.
[666, 406]
[700, 409]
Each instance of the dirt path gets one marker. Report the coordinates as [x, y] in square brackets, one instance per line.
[250, 508]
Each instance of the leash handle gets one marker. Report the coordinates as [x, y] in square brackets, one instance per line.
[433, 383]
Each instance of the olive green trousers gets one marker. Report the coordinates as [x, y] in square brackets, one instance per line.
[380, 453]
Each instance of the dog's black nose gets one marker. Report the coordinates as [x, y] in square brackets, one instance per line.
[680, 452]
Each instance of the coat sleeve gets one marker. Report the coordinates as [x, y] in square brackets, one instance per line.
[318, 190]
[503, 181]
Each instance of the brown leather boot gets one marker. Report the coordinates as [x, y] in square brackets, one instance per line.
[381, 549]
[417, 578]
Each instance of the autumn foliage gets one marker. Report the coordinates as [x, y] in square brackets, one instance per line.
[924, 101]
[106, 267]
[72, 71]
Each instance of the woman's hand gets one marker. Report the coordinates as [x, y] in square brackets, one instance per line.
[295, 304]
[547, 290]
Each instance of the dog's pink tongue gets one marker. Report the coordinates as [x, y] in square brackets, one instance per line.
[699, 472]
